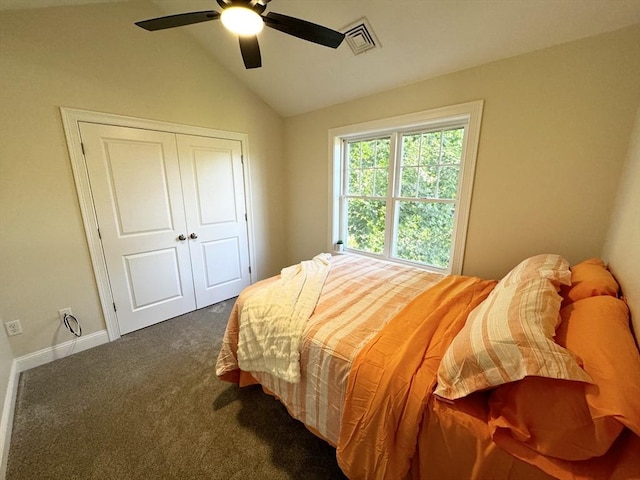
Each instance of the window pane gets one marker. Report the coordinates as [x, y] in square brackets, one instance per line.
[368, 167]
[353, 188]
[367, 182]
[424, 232]
[383, 150]
[452, 145]
[448, 186]
[368, 153]
[409, 181]
[436, 177]
[411, 149]
[381, 182]
[365, 224]
[431, 148]
[428, 182]
[354, 153]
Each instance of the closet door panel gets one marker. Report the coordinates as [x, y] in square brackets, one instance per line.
[214, 197]
[214, 181]
[137, 194]
[222, 263]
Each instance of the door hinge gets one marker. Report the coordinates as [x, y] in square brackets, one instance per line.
[114, 307]
[99, 234]
[246, 219]
[242, 159]
[82, 147]
[249, 269]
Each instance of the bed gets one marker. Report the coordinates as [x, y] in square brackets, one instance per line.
[416, 375]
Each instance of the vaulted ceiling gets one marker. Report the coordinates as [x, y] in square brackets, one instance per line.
[416, 39]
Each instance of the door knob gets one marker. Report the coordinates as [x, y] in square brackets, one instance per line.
[182, 238]
[193, 235]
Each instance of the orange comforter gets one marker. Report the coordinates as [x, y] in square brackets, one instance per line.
[393, 376]
[393, 428]
[368, 362]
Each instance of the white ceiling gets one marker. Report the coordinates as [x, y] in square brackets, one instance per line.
[420, 39]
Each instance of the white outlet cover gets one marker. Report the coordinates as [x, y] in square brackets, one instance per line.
[64, 311]
[13, 327]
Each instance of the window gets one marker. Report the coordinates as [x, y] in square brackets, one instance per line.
[401, 188]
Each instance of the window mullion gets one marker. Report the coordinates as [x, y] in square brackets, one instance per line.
[342, 234]
[391, 227]
[426, 200]
[439, 164]
[419, 167]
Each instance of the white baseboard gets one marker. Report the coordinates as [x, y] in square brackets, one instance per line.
[6, 420]
[61, 350]
[32, 360]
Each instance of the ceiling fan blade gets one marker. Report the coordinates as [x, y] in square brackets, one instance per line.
[250, 51]
[178, 20]
[303, 29]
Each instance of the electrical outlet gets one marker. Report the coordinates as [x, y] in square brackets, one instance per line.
[13, 327]
[63, 311]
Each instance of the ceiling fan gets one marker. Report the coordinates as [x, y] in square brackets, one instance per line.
[245, 18]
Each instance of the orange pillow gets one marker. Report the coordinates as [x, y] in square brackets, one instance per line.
[588, 279]
[571, 420]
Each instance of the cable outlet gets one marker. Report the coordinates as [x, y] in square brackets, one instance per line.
[13, 327]
[64, 311]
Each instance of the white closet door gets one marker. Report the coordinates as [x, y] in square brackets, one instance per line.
[136, 187]
[213, 188]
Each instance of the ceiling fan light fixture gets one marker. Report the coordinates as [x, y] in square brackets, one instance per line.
[245, 19]
[242, 20]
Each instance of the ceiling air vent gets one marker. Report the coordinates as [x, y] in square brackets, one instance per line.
[360, 37]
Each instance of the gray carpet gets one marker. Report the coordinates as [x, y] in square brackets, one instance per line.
[149, 406]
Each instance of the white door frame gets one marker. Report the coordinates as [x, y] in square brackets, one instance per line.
[70, 119]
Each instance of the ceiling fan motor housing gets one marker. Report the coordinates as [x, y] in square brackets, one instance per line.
[257, 6]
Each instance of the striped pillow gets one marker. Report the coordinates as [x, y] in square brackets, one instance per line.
[551, 266]
[507, 337]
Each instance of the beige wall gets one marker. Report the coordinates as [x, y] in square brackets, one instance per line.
[555, 130]
[622, 247]
[94, 58]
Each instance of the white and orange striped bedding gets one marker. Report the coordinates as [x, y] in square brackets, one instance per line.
[368, 361]
[359, 297]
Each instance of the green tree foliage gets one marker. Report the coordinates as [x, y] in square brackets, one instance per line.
[366, 224]
[425, 209]
[424, 232]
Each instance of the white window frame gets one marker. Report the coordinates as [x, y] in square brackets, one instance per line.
[469, 114]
